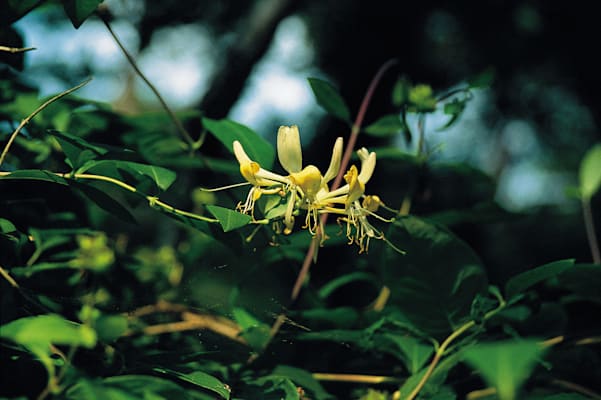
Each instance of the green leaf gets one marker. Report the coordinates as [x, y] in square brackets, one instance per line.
[505, 364]
[6, 226]
[229, 219]
[583, 280]
[521, 282]
[78, 150]
[303, 379]
[256, 333]
[329, 98]
[86, 389]
[35, 174]
[435, 283]
[454, 109]
[282, 388]
[110, 327]
[144, 387]
[400, 92]
[386, 126]
[257, 148]
[162, 177]
[434, 385]
[200, 379]
[104, 201]
[17, 9]
[415, 352]
[37, 333]
[373, 394]
[590, 172]
[422, 98]
[79, 10]
[46, 329]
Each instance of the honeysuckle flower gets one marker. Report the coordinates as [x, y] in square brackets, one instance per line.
[306, 182]
[306, 188]
[355, 181]
[260, 178]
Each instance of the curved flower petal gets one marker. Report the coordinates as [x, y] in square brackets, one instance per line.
[252, 171]
[240, 154]
[356, 186]
[289, 149]
[368, 164]
[334, 162]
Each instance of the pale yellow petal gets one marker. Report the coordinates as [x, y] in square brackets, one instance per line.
[308, 180]
[356, 186]
[289, 148]
[240, 154]
[368, 164]
[334, 162]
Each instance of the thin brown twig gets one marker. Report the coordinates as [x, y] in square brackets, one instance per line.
[33, 114]
[160, 306]
[343, 164]
[16, 49]
[356, 378]
[190, 321]
[180, 128]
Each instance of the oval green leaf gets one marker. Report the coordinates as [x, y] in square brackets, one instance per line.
[229, 219]
[521, 282]
[226, 131]
[200, 379]
[329, 98]
[162, 177]
[36, 174]
[386, 126]
[6, 226]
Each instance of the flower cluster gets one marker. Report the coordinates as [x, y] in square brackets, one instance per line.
[306, 188]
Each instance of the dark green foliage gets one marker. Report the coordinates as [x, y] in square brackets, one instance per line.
[123, 276]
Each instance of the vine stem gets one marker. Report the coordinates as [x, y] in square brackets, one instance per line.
[590, 230]
[152, 201]
[36, 112]
[183, 132]
[445, 344]
[355, 129]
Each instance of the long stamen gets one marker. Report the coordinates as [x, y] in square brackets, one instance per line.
[217, 189]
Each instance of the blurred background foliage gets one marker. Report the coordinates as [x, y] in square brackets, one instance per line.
[497, 177]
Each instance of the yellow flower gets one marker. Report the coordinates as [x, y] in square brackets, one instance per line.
[260, 178]
[355, 182]
[305, 183]
[252, 171]
[307, 189]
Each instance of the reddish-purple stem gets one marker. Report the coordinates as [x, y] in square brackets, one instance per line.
[343, 165]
